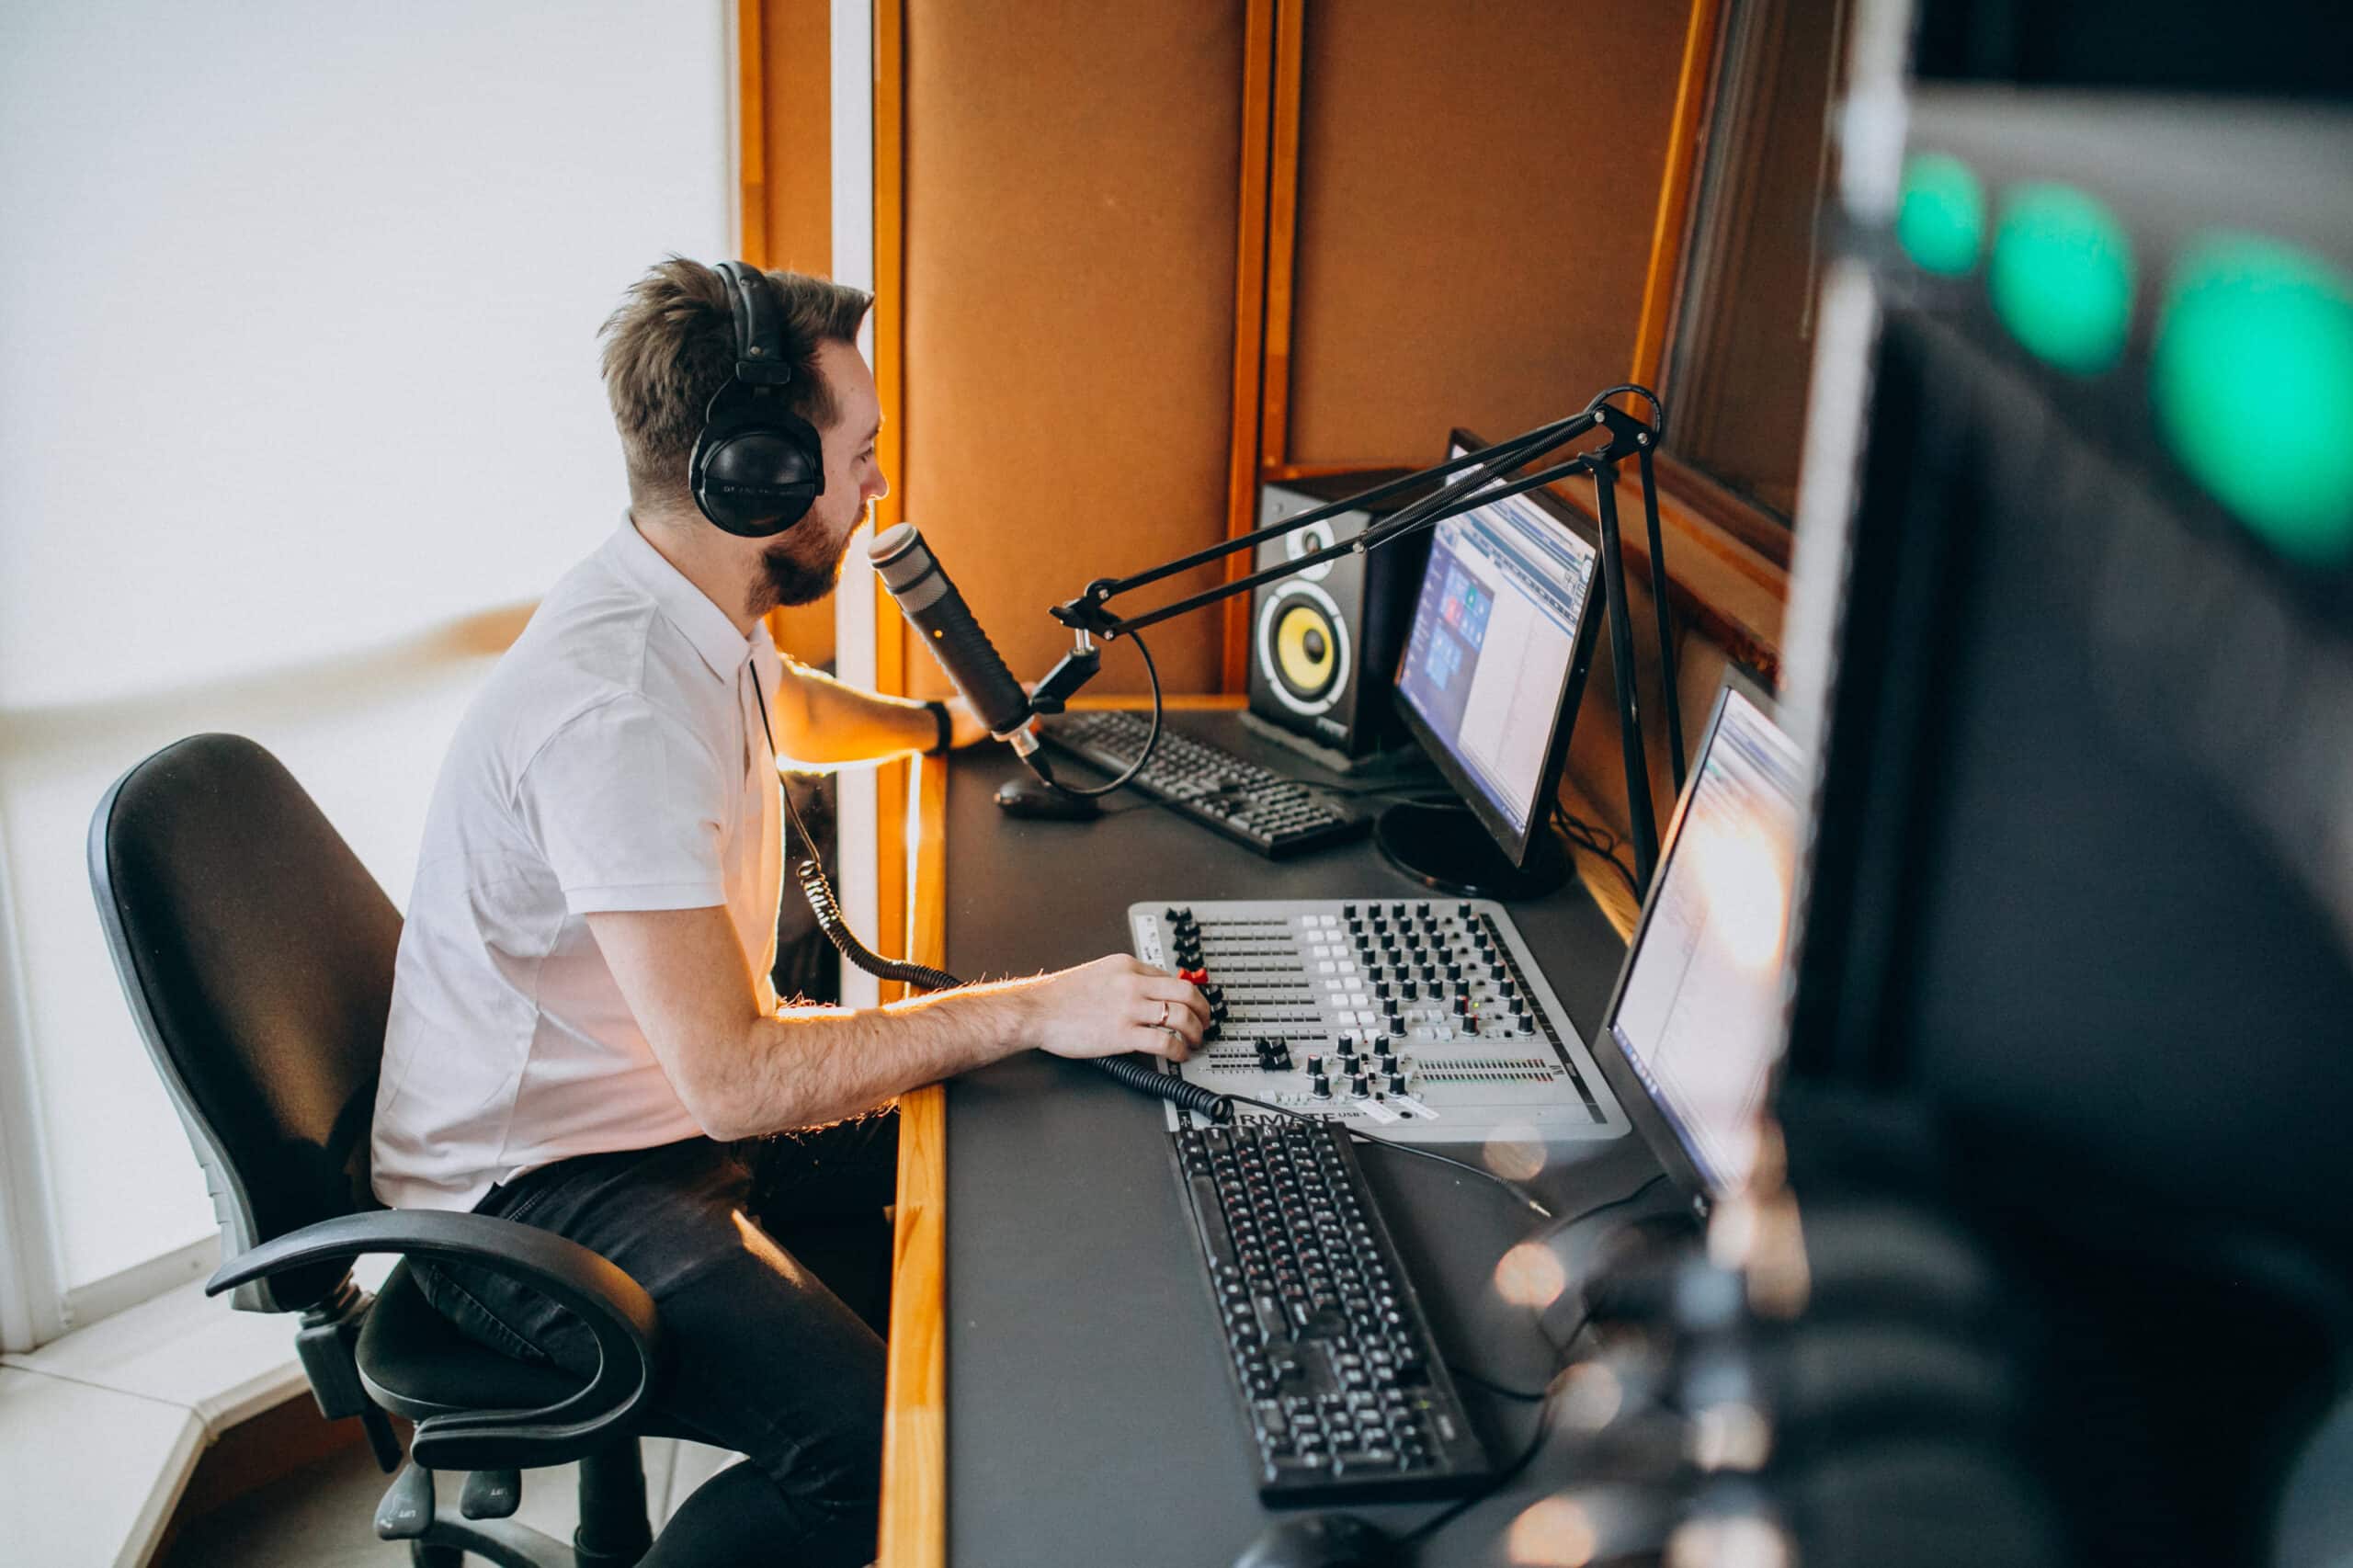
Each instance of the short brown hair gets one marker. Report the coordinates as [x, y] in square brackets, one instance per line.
[671, 347]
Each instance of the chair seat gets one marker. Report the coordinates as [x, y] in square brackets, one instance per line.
[419, 1364]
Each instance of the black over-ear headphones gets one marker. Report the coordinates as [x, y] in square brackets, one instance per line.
[756, 466]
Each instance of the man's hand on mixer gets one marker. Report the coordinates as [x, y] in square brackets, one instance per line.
[1116, 1004]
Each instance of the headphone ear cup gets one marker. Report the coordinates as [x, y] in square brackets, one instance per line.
[756, 483]
[756, 467]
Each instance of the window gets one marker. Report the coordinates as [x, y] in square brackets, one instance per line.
[1742, 342]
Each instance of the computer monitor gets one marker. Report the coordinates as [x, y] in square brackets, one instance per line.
[1494, 662]
[1695, 1027]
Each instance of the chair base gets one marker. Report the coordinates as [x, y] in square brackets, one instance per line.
[613, 1533]
[453, 1543]
[446, 1543]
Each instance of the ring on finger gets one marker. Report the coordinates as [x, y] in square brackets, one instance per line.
[1164, 1016]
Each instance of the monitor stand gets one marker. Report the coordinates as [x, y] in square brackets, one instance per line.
[1447, 847]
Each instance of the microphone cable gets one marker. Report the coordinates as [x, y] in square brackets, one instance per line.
[1527, 1198]
[825, 905]
[1038, 765]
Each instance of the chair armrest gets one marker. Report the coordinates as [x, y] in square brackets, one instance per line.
[613, 1307]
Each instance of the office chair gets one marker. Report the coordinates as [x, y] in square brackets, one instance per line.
[256, 954]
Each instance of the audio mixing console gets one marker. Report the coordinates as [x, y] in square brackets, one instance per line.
[1426, 1019]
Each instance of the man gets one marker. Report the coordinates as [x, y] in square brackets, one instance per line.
[584, 1036]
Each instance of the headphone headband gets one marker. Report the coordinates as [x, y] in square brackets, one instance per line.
[760, 359]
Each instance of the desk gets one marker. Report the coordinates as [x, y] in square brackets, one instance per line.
[1064, 1365]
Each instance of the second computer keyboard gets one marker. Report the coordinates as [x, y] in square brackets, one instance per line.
[1339, 1382]
[1252, 805]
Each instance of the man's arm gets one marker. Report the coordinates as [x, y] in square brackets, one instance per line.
[742, 1072]
[818, 719]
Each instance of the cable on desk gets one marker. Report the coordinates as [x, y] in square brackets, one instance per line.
[1597, 841]
[1463, 1374]
[809, 873]
[1545, 1417]
[1039, 764]
[1509, 1186]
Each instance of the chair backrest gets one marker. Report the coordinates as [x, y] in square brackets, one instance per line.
[256, 954]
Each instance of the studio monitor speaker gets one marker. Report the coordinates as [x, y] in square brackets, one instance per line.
[1323, 642]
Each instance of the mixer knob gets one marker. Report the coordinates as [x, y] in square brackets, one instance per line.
[1391, 1011]
[1454, 971]
[1396, 1081]
[1423, 907]
[1315, 1066]
[1464, 909]
[1461, 1004]
[1360, 1086]
[1348, 910]
[1318, 1084]
[1412, 991]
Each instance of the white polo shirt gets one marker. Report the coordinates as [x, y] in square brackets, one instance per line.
[614, 760]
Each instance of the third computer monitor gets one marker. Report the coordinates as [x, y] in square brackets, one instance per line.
[1502, 636]
[1697, 1017]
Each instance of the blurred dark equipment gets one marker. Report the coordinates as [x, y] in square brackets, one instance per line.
[1322, 643]
[2280, 49]
[255, 952]
[1849, 1392]
[2080, 900]
[1322, 1540]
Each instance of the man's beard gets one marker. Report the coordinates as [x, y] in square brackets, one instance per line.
[788, 580]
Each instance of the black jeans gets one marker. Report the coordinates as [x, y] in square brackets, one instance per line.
[770, 1263]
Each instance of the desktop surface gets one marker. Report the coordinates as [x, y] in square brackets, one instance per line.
[1089, 1416]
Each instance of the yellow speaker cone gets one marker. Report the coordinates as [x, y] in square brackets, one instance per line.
[1304, 650]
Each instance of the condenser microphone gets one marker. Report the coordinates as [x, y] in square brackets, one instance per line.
[936, 610]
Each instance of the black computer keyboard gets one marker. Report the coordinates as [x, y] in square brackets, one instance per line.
[1250, 805]
[1340, 1383]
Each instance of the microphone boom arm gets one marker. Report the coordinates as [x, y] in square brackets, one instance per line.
[1471, 480]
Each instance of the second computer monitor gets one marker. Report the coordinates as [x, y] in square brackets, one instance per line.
[1497, 657]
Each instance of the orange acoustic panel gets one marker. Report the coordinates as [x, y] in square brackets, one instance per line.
[1070, 200]
[1478, 184]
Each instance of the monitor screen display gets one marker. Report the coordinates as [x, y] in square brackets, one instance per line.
[1498, 631]
[1699, 1013]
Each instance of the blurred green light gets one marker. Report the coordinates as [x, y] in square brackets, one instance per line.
[1940, 218]
[2253, 378]
[2062, 277]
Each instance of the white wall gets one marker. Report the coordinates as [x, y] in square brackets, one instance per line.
[298, 379]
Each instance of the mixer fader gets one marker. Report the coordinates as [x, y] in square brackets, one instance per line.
[1426, 1019]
